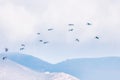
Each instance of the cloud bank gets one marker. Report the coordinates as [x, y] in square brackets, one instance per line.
[20, 20]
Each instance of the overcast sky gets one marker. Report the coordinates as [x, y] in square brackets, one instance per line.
[20, 20]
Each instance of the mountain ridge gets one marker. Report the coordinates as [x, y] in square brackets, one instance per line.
[84, 69]
[10, 70]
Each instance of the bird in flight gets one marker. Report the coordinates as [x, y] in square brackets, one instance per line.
[4, 58]
[6, 49]
[50, 29]
[71, 24]
[77, 40]
[97, 37]
[23, 45]
[89, 23]
[71, 29]
[41, 40]
[45, 42]
[21, 49]
[38, 33]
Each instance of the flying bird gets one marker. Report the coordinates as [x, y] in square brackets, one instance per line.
[77, 40]
[6, 49]
[71, 24]
[45, 42]
[41, 40]
[71, 29]
[38, 33]
[89, 23]
[21, 49]
[4, 58]
[50, 29]
[97, 37]
[23, 45]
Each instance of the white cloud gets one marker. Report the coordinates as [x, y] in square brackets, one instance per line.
[16, 21]
[23, 18]
[104, 16]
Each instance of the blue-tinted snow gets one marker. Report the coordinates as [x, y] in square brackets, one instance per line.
[107, 68]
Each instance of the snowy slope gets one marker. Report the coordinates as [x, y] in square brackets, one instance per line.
[28, 61]
[60, 76]
[12, 71]
[107, 68]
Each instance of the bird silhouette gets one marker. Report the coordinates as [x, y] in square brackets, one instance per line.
[50, 29]
[41, 40]
[23, 45]
[6, 49]
[45, 42]
[77, 40]
[71, 24]
[38, 33]
[97, 37]
[21, 49]
[70, 29]
[4, 58]
[89, 23]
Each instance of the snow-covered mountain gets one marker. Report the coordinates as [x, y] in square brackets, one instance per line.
[29, 61]
[107, 68]
[10, 70]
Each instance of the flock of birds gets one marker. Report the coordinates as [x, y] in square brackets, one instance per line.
[46, 42]
[70, 30]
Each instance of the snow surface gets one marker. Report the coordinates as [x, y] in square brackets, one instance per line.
[29, 61]
[107, 68]
[10, 70]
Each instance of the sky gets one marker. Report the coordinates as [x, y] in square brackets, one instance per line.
[21, 20]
